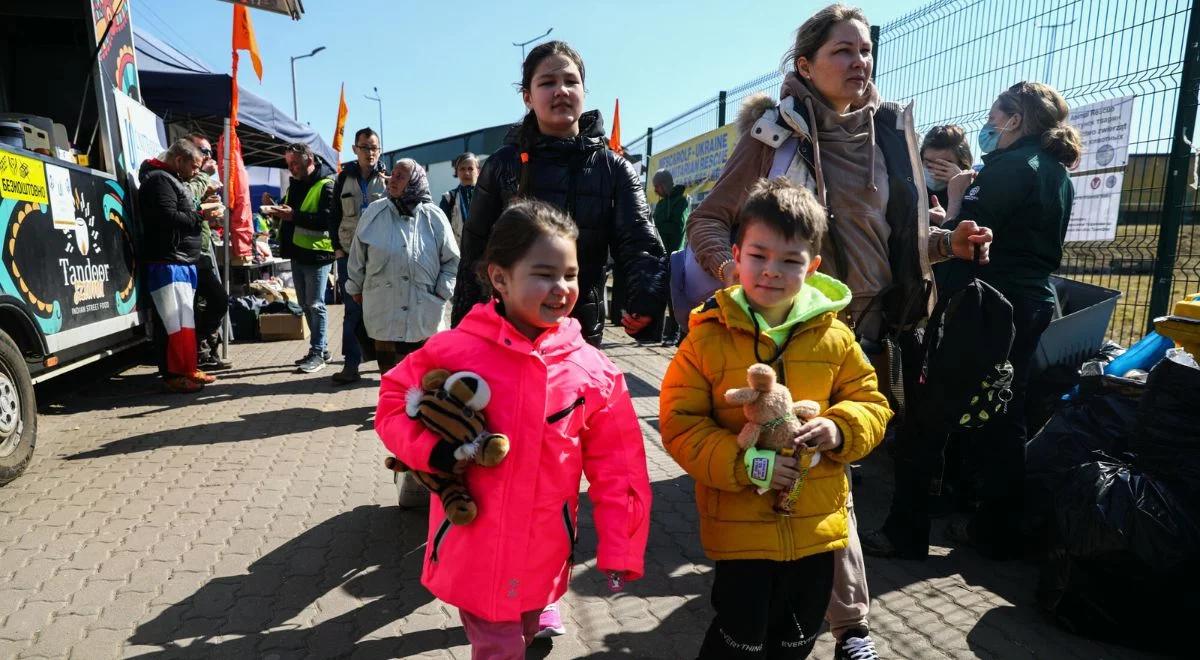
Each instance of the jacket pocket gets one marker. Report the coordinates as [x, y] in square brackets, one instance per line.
[349, 206]
[570, 527]
[438, 539]
[560, 415]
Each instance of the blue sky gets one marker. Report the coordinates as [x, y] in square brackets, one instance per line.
[450, 67]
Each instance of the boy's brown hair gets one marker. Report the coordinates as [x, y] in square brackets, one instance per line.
[785, 207]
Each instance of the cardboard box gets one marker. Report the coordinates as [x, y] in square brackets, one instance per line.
[278, 327]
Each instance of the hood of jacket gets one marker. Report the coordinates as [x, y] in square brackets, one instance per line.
[352, 169]
[819, 301]
[486, 320]
[152, 164]
[590, 138]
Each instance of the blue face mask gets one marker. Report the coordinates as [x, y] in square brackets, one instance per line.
[932, 183]
[989, 137]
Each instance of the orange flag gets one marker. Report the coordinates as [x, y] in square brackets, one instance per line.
[340, 128]
[614, 140]
[243, 37]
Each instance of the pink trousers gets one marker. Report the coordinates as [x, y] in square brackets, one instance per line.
[500, 640]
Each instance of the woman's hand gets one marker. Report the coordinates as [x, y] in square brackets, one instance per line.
[944, 170]
[634, 323]
[785, 473]
[937, 214]
[966, 236]
[956, 188]
[357, 298]
[819, 434]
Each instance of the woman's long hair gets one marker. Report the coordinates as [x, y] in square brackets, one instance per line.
[1044, 112]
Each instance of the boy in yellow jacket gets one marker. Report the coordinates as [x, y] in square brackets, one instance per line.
[773, 571]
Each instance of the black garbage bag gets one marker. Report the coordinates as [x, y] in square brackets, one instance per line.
[1167, 441]
[1126, 550]
[1084, 431]
[1106, 508]
[1044, 396]
[1118, 600]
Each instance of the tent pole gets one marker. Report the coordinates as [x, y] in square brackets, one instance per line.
[226, 328]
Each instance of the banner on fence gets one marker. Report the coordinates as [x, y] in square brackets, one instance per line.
[1098, 177]
[697, 163]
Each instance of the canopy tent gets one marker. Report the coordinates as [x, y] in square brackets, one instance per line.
[181, 88]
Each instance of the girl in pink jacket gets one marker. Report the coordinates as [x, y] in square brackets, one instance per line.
[567, 412]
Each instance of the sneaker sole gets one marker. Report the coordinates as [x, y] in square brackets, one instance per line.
[547, 633]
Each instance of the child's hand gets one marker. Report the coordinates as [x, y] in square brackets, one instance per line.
[820, 434]
[786, 473]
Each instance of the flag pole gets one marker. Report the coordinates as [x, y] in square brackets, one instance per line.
[226, 327]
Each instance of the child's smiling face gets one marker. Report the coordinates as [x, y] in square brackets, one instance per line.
[772, 268]
[541, 288]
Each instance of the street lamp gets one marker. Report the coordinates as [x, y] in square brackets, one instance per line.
[378, 100]
[523, 44]
[1053, 39]
[295, 111]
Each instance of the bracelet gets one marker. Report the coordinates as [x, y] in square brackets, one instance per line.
[721, 269]
[947, 246]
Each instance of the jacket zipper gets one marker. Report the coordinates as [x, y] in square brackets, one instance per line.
[570, 531]
[438, 538]
[564, 412]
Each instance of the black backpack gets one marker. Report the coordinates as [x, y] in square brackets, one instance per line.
[965, 376]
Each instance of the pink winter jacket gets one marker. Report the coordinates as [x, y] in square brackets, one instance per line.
[567, 411]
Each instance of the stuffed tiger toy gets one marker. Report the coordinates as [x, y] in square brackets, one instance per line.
[450, 406]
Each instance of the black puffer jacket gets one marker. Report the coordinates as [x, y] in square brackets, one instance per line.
[603, 194]
[170, 222]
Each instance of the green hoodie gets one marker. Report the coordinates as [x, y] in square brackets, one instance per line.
[820, 294]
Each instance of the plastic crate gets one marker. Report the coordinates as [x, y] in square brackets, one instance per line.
[1079, 333]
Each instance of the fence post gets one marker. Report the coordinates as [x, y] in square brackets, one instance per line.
[721, 109]
[649, 150]
[1177, 171]
[874, 50]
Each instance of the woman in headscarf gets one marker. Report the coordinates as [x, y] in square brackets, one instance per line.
[403, 263]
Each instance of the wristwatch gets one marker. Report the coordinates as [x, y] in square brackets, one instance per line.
[947, 247]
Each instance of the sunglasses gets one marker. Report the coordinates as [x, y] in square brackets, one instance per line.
[207, 153]
[367, 148]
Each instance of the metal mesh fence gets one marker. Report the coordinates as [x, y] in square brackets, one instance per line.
[953, 57]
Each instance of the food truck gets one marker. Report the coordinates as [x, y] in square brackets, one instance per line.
[70, 143]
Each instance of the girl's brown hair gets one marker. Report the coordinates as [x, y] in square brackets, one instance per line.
[1044, 112]
[815, 32]
[517, 229]
[950, 137]
[529, 132]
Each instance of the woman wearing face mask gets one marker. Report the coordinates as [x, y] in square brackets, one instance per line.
[944, 155]
[1024, 194]
[833, 134]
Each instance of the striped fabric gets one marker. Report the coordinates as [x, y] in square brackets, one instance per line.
[173, 290]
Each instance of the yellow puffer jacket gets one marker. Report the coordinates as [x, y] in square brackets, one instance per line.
[822, 362]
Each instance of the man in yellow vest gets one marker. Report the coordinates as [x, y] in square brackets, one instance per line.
[305, 237]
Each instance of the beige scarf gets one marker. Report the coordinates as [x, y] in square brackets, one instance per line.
[852, 181]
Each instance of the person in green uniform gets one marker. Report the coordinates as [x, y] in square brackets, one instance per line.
[1024, 194]
[670, 216]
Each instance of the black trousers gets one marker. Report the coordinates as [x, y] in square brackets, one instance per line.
[768, 609]
[211, 302]
[999, 448]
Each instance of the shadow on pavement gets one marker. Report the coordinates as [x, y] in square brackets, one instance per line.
[370, 552]
[255, 426]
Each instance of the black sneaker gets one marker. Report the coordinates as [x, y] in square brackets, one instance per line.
[856, 644]
[325, 357]
[346, 376]
[312, 364]
[210, 362]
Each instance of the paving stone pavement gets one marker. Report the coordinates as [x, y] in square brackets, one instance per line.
[255, 520]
